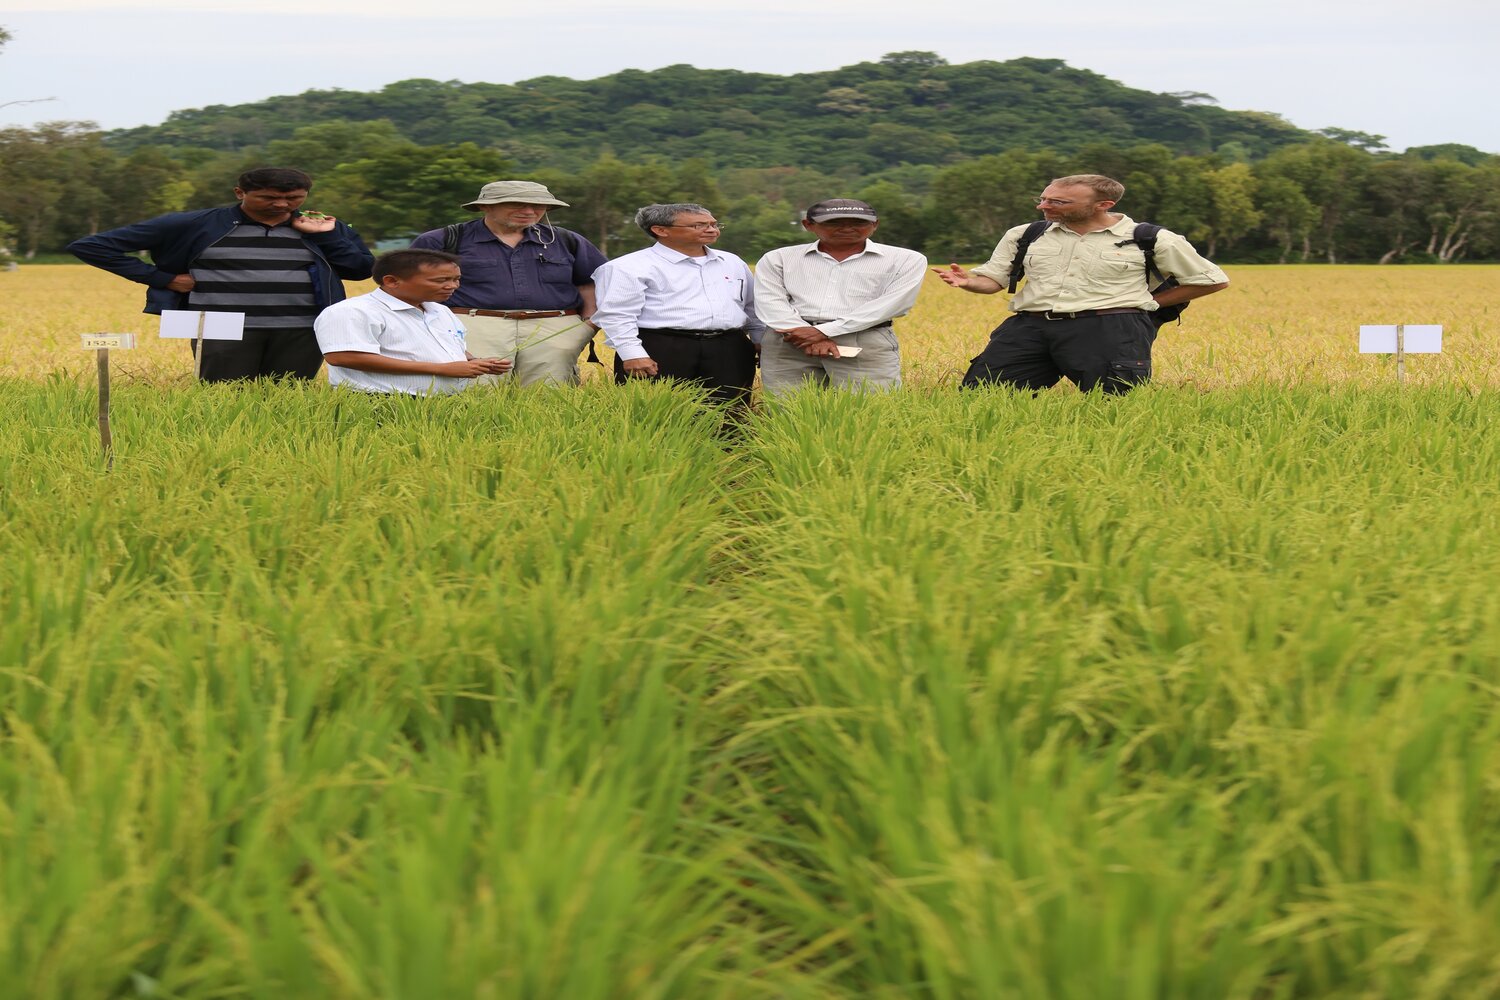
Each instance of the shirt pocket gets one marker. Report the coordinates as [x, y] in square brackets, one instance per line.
[555, 272]
[1044, 261]
[863, 287]
[1119, 268]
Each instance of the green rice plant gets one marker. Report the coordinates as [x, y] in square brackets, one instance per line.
[925, 695]
[323, 695]
[1173, 695]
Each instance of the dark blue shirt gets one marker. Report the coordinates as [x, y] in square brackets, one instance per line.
[540, 272]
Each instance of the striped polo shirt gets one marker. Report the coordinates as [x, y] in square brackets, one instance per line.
[262, 271]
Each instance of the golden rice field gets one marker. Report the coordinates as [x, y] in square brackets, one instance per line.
[1286, 325]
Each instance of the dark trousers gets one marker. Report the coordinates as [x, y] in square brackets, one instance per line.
[725, 365]
[262, 354]
[1030, 351]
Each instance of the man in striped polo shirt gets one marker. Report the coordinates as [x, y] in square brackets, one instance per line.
[261, 257]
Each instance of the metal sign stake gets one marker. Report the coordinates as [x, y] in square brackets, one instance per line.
[100, 343]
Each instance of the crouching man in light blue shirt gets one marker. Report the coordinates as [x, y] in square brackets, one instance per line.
[398, 338]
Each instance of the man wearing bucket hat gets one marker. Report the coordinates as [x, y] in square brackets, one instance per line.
[831, 303]
[528, 291]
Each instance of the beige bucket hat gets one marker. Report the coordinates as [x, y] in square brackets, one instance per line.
[526, 192]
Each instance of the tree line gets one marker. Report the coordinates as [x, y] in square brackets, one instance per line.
[1322, 200]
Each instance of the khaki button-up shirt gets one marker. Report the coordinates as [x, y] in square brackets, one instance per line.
[1066, 272]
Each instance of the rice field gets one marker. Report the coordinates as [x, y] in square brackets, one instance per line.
[1289, 325]
[564, 694]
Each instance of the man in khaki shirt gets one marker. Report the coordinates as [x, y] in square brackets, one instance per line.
[1085, 309]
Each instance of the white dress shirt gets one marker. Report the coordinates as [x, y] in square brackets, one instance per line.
[803, 286]
[380, 323]
[660, 287]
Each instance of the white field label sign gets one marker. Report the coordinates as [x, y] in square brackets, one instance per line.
[94, 341]
[1414, 339]
[182, 324]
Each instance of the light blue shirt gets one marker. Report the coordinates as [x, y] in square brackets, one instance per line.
[661, 287]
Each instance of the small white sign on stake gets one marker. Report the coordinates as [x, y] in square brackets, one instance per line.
[1401, 340]
[191, 324]
[94, 341]
[182, 324]
[100, 343]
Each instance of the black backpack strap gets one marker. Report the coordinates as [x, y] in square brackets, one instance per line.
[1145, 238]
[450, 236]
[1018, 262]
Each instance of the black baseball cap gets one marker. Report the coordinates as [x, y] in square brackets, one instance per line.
[841, 208]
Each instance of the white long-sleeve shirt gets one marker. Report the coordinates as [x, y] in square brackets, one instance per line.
[659, 287]
[803, 286]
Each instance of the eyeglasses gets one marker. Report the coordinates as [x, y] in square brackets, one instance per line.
[700, 226]
[1055, 202]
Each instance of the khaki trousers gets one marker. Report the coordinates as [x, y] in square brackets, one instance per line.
[876, 368]
[544, 350]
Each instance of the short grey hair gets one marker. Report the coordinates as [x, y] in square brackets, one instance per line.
[665, 215]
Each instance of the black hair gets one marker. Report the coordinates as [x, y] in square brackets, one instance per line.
[405, 263]
[274, 179]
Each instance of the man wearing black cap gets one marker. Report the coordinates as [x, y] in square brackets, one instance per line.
[830, 304]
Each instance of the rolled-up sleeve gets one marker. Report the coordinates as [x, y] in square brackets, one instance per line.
[997, 268]
[1177, 258]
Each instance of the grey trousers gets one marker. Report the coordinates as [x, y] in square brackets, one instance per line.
[877, 367]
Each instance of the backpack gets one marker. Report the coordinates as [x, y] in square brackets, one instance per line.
[1144, 237]
[569, 240]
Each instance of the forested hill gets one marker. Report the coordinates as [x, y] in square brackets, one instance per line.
[909, 107]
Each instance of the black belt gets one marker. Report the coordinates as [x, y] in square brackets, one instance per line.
[1054, 314]
[677, 331]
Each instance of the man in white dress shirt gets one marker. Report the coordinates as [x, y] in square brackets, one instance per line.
[398, 339]
[679, 308]
[830, 304]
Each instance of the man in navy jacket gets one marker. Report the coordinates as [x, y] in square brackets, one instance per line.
[261, 257]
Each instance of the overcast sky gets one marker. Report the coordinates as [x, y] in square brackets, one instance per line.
[1417, 73]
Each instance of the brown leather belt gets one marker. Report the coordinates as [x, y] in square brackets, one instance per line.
[516, 313]
[1054, 314]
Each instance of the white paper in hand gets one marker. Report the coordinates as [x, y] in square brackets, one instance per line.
[182, 324]
[849, 352]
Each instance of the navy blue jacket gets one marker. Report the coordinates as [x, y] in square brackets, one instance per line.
[174, 242]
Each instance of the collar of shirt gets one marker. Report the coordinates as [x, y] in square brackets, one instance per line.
[485, 234]
[390, 301]
[245, 220]
[1123, 226]
[677, 256]
[878, 249]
